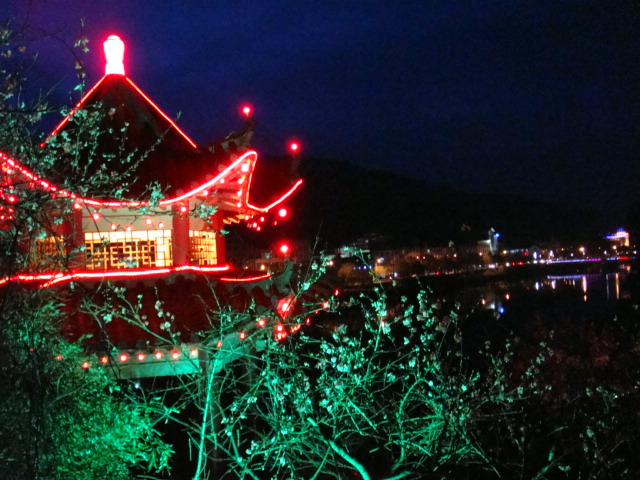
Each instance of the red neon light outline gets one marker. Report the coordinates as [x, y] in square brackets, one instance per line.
[246, 279]
[72, 112]
[279, 201]
[57, 278]
[250, 156]
[84, 98]
[161, 112]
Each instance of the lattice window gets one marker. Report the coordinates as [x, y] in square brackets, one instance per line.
[49, 251]
[203, 247]
[134, 249]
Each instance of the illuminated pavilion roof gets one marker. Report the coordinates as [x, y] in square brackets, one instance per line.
[131, 124]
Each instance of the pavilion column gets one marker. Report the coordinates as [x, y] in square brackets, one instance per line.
[180, 242]
[218, 226]
[71, 228]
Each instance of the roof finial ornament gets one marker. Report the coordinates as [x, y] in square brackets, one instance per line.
[114, 53]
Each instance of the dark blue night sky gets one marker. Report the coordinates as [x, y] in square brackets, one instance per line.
[539, 98]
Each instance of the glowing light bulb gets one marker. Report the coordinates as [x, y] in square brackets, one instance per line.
[284, 249]
[246, 110]
[283, 212]
[114, 53]
[294, 147]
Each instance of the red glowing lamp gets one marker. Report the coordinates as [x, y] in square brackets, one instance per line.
[284, 249]
[294, 147]
[283, 212]
[246, 110]
[114, 53]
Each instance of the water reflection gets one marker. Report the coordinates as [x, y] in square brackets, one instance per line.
[587, 282]
[594, 289]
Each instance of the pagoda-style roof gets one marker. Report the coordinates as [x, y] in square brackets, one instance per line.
[133, 135]
[131, 127]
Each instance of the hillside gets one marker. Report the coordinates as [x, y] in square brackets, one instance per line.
[341, 202]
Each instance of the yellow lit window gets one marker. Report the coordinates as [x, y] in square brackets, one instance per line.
[132, 249]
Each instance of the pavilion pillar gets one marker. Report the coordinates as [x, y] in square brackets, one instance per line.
[180, 242]
[218, 226]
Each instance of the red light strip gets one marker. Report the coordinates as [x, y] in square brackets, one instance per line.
[72, 112]
[279, 201]
[57, 278]
[246, 279]
[249, 156]
[161, 112]
[137, 89]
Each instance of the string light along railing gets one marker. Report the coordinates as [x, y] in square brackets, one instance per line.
[185, 358]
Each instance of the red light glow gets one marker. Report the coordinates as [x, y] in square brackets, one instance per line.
[249, 156]
[246, 279]
[141, 357]
[283, 212]
[175, 355]
[51, 279]
[158, 355]
[294, 147]
[261, 323]
[284, 306]
[242, 335]
[114, 53]
[104, 360]
[85, 365]
[284, 249]
[246, 110]
[124, 357]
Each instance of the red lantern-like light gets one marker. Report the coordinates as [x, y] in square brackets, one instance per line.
[284, 249]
